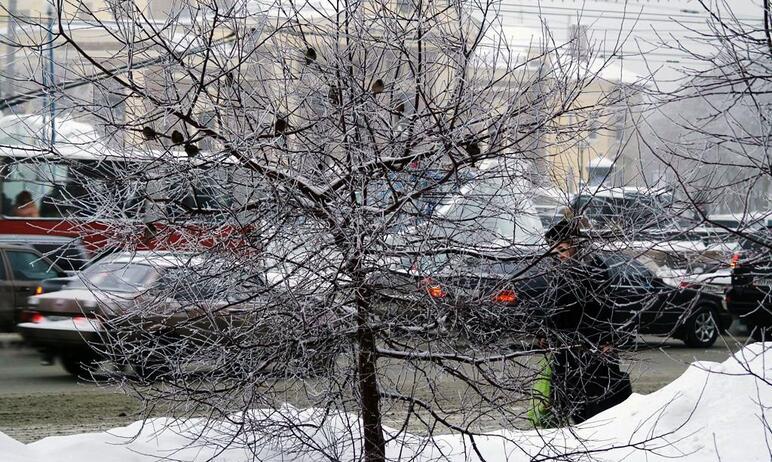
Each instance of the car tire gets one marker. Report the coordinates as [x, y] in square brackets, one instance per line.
[701, 329]
[761, 333]
[78, 366]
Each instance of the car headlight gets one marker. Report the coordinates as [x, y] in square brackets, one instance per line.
[33, 301]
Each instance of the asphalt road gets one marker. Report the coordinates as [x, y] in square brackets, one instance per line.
[38, 401]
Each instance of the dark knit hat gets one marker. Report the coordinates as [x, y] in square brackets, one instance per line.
[562, 231]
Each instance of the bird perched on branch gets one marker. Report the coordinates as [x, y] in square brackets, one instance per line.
[377, 87]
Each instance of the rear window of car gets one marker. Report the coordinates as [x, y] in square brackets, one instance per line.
[195, 284]
[118, 277]
[29, 266]
[69, 257]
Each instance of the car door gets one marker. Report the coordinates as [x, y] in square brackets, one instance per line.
[28, 268]
[661, 305]
[7, 309]
[631, 293]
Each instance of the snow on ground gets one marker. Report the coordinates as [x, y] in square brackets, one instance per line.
[712, 412]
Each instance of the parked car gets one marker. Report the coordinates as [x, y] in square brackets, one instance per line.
[491, 298]
[68, 253]
[490, 220]
[692, 313]
[66, 323]
[628, 209]
[750, 295]
[159, 298]
[22, 269]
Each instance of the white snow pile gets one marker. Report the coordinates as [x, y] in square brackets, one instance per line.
[712, 412]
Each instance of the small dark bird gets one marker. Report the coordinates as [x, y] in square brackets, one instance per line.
[310, 55]
[149, 133]
[177, 137]
[191, 150]
[378, 87]
[333, 95]
[473, 149]
[280, 126]
[229, 78]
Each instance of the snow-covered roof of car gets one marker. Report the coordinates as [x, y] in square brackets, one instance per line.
[621, 192]
[165, 259]
[755, 217]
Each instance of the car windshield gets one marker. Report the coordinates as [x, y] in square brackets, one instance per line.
[116, 277]
[194, 284]
[68, 256]
[491, 212]
[625, 268]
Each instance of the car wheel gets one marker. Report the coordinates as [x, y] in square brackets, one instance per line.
[761, 333]
[79, 366]
[701, 330]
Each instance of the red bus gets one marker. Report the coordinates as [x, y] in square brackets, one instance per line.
[105, 197]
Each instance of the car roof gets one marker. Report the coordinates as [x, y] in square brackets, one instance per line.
[36, 238]
[747, 218]
[165, 259]
[15, 246]
[622, 192]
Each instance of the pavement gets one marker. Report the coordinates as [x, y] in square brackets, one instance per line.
[10, 339]
[38, 400]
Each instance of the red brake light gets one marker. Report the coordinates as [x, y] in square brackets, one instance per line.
[734, 263]
[36, 317]
[436, 292]
[506, 296]
[685, 285]
[433, 289]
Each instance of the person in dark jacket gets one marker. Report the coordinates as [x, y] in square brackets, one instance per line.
[586, 378]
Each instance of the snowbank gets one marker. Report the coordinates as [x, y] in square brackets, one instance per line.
[712, 412]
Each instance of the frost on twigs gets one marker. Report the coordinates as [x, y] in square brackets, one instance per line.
[355, 230]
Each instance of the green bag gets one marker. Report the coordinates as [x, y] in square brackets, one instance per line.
[540, 413]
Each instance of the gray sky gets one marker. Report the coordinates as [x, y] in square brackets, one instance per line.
[641, 19]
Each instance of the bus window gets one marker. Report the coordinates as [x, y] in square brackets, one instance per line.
[48, 189]
[209, 189]
[27, 184]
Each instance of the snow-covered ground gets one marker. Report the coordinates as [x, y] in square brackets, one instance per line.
[712, 412]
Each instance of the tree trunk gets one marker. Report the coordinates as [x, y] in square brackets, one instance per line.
[374, 442]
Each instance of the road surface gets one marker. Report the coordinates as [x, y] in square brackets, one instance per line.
[38, 401]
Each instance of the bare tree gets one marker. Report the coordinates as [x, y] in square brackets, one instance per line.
[346, 191]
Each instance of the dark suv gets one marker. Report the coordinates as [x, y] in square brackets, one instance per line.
[488, 299]
[68, 253]
[750, 295]
[22, 269]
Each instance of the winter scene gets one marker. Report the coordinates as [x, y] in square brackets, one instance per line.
[385, 230]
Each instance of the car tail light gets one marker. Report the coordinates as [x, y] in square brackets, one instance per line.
[38, 290]
[36, 317]
[505, 296]
[686, 285]
[735, 261]
[433, 289]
